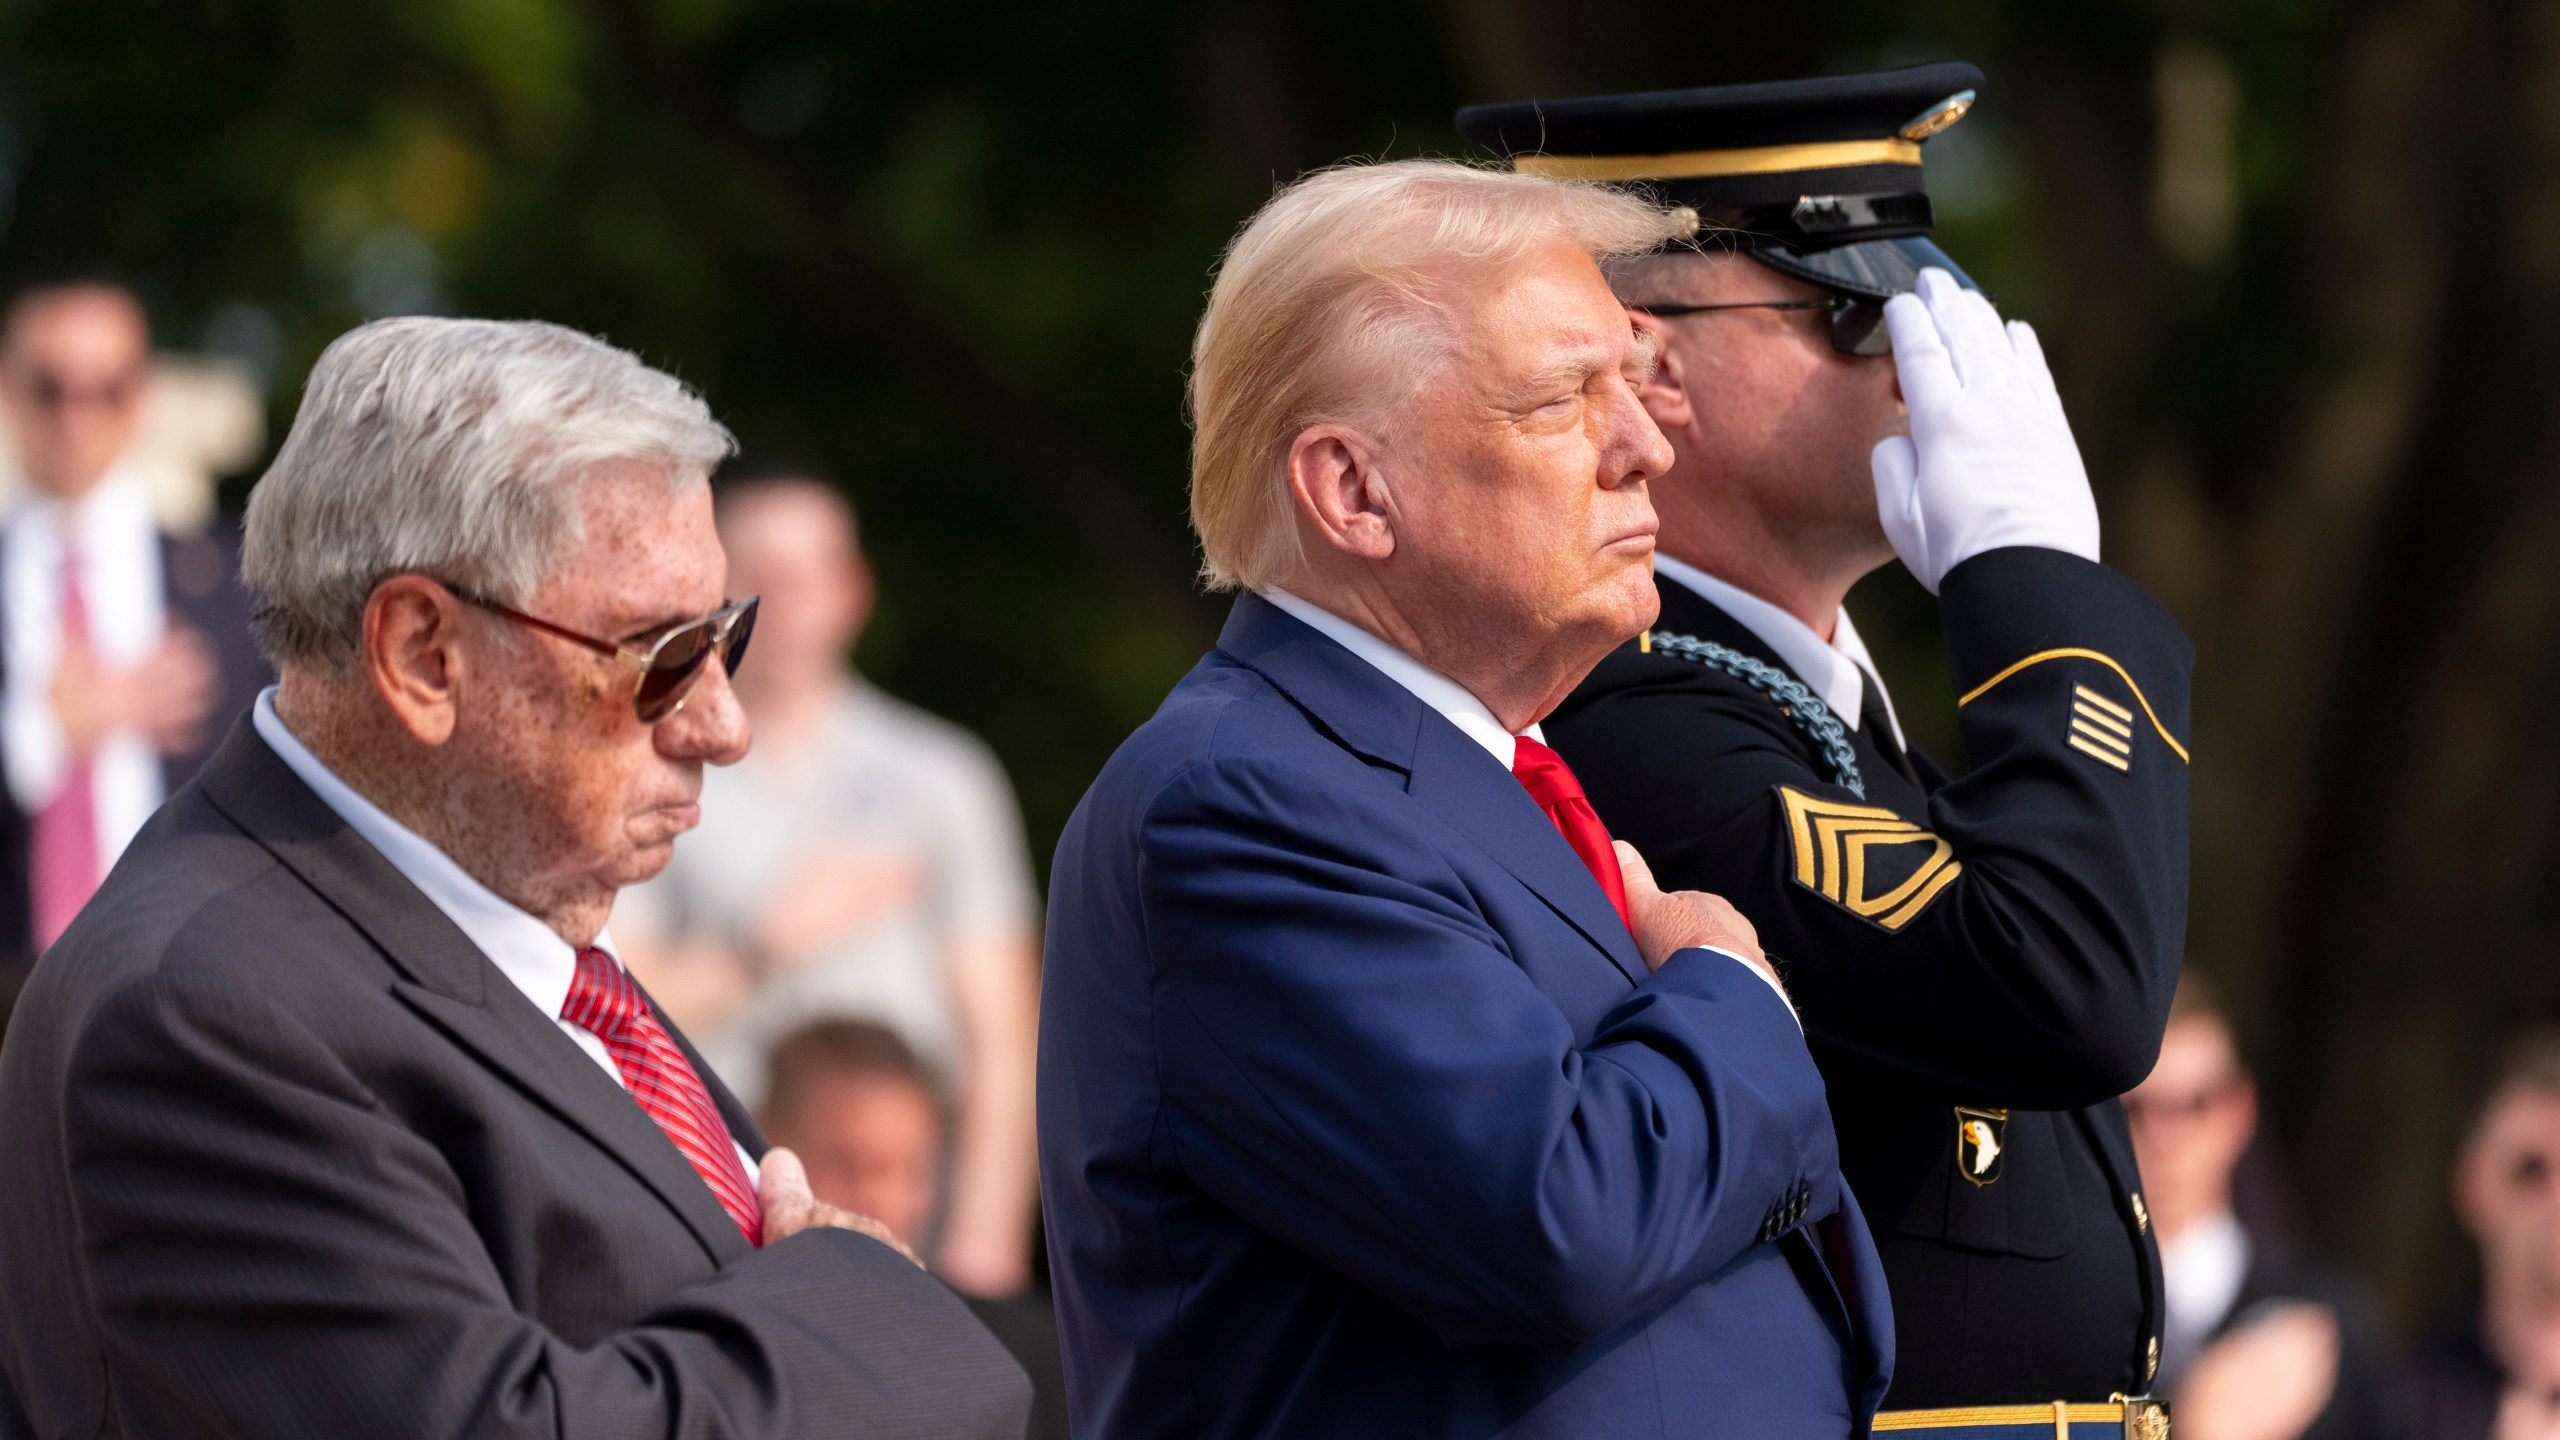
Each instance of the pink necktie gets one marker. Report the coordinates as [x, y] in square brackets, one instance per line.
[62, 840]
[604, 999]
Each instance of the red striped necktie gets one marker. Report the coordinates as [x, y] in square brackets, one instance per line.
[604, 999]
[1550, 782]
[62, 838]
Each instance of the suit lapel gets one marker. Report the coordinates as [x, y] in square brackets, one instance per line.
[1455, 779]
[1447, 773]
[453, 986]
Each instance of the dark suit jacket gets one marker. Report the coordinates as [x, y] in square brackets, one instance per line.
[2006, 942]
[1360, 1114]
[283, 1154]
[200, 586]
[2455, 1385]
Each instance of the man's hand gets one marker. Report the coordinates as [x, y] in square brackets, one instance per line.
[1990, 460]
[783, 1184]
[165, 699]
[835, 891]
[1666, 921]
[2267, 1380]
[2522, 1415]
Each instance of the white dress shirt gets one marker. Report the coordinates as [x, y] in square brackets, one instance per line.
[1830, 668]
[1455, 702]
[2201, 1273]
[529, 953]
[119, 542]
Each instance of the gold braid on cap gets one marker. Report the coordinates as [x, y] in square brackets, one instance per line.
[1701, 164]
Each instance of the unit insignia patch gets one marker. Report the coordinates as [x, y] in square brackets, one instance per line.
[1982, 1137]
[1866, 859]
[2101, 728]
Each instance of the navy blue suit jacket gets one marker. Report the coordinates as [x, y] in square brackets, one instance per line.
[1360, 1115]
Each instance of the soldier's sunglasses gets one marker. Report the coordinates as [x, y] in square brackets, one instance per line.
[1857, 326]
[670, 664]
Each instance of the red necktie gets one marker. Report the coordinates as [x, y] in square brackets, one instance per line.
[62, 838]
[1550, 782]
[604, 999]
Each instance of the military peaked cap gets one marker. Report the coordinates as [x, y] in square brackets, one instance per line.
[1818, 178]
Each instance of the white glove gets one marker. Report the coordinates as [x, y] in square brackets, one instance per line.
[1990, 460]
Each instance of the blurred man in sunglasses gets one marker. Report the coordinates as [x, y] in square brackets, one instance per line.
[334, 1112]
[122, 646]
[1984, 964]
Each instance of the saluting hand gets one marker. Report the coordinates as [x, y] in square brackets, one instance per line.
[1990, 461]
[1669, 920]
[783, 1184]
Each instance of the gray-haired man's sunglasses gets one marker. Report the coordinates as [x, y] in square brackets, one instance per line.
[670, 665]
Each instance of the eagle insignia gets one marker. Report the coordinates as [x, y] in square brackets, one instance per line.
[1981, 1141]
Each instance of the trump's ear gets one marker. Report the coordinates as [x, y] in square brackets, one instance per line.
[1336, 484]
[1665, 393]
[412, 627]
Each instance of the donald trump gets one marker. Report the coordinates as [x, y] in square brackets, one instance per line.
[1381, 1094]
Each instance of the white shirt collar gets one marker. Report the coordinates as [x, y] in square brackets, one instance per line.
[119, 504]
[1831, 667]
[1454, 701]
[527, 951]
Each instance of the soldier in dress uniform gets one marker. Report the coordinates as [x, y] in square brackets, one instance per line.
[1982, 964]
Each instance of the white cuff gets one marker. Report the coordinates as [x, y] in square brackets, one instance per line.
[1765, 978]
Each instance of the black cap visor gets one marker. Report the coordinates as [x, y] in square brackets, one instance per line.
[1874, 270]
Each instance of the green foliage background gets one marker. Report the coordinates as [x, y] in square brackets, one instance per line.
[950, 256]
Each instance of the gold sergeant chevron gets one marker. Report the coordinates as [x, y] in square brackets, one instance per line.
[1842, 850]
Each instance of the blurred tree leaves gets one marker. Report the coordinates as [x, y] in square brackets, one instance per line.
[951, 256]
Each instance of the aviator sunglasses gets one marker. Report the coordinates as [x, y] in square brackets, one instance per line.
[669, 665]
[1857, 326]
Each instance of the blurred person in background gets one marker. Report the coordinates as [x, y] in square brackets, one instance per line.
[868, 1120]
[866, 860]
[124, 651]
[2259, 1344]
[2493, 1368]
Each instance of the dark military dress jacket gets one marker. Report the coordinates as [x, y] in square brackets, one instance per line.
[1982, 964]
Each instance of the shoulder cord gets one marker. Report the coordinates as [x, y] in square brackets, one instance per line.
[1797, 703]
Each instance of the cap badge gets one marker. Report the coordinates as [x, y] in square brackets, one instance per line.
[1938, 117]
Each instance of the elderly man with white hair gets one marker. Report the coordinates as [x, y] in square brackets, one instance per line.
[333, 1113]
[1379, 1095]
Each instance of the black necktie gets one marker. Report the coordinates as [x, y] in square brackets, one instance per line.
[1876, 723]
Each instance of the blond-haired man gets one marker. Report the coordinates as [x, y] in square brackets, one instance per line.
[1379, 1095]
